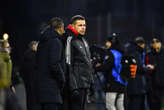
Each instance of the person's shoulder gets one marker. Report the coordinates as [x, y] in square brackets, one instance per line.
[109, 54]
[68, 32]
[49, 35]
[55, 42]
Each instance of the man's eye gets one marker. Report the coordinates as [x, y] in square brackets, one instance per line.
[82, 25]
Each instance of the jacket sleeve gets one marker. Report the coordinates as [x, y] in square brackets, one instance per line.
[55, 60]
[141, 67]
[107, 65]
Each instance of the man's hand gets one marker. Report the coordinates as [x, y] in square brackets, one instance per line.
[98, 64]
[151, 66]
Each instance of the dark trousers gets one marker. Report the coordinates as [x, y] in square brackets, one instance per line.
[155, 98]
[31, 100]
[76, 100]
[136, 102]
[50, 106]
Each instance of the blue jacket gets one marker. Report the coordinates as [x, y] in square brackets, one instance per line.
[117, 67]
[111, 68]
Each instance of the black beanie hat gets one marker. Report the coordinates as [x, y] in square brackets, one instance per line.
[113, 38]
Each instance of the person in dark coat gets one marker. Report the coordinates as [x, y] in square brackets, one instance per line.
[156, 76]
[136, 88]
[50, 64]
[28, 71]
[78, 59]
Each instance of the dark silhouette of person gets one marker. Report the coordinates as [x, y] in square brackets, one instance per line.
[50, 64]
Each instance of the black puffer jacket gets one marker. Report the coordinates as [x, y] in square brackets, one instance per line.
[80, 70]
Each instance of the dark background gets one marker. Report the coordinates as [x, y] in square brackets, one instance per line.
[22, 19]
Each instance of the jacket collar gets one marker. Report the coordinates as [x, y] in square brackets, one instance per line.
[73, 30]
[49, 33]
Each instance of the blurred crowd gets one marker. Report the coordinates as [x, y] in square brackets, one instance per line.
[62, 71]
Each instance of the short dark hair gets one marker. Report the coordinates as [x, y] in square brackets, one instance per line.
[56, 22]
[77, 17]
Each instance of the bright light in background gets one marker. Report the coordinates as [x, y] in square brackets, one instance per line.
[114, 34]
[5, 36]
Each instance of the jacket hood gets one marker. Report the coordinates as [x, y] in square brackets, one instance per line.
[72, 30]
[49, 33]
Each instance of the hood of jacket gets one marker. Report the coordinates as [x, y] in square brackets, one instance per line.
[49, 33]
[70, 31]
